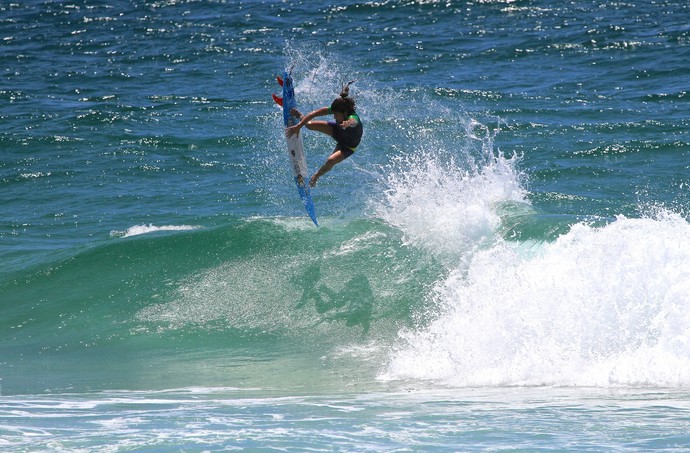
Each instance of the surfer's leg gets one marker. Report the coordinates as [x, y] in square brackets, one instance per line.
[335, 158]
[325, 127]
[321, 126]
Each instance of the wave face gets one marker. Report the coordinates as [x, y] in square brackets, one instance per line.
[242, 297]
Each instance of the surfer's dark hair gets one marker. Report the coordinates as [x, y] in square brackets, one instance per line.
[344, 103]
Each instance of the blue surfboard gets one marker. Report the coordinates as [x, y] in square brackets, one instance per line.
[294, 144]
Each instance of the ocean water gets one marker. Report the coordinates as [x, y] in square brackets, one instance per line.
[504, 264]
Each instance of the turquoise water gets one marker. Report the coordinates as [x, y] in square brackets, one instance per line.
[503, 264]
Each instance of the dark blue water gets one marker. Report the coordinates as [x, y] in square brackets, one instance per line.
[514, 221]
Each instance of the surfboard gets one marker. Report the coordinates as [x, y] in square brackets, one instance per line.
[295, 145]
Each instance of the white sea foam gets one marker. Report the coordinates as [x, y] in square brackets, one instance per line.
[606, 306]
[145, 229]
[446, 209]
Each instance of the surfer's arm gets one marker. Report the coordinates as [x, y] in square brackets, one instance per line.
[305, 119]
[349, 123]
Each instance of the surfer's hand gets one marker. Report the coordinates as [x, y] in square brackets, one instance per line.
[292, 130]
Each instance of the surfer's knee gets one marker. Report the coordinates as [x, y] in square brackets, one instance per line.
[337, 157]
[320, 126]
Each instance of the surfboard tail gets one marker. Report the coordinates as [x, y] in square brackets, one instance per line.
[305, 195]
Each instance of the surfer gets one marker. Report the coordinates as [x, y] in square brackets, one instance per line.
[346, 129]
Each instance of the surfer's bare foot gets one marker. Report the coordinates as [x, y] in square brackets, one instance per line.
[312, 181]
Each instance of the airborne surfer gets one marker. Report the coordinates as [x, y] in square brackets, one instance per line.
[346, 129]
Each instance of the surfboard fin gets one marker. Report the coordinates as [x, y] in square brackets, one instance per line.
[280, 81]
[278, 100]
